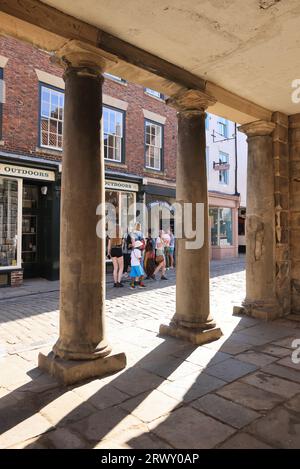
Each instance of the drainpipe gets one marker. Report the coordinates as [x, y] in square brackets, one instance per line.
[236, 160]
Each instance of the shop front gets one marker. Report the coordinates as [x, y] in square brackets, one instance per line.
[223, 216]
[122, 196]
[29, 220]
[159, 198]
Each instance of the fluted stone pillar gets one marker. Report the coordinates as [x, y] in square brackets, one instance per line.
[192, 320]
[82, 350]
[260, 298]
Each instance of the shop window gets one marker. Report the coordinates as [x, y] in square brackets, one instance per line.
[223, 173]
[10, 214]
[4, 280]
[153, 145]
[124, 214]
[221, 226]
[51, 117]
[113, 134]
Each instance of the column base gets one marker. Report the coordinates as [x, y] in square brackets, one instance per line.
[293, 317]
[72, 371]
[193, 335]
[266, 314]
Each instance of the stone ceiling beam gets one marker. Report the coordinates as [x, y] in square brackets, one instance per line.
[50, 29]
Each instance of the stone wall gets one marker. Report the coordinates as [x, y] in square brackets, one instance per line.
[294, 138]
[281, 186]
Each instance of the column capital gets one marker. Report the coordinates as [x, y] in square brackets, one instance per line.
[77, 55]
[191, 100]
[257, 128]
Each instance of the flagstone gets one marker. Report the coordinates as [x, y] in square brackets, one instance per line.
[250, 396]
[204, 431]
[280, 428]
[272, 384]
[228, 412]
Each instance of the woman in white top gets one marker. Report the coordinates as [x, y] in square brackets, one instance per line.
[160, 257]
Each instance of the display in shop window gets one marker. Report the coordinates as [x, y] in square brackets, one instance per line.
[221, 226]
[8, 222]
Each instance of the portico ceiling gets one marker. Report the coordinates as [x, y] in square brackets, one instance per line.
[249, 47]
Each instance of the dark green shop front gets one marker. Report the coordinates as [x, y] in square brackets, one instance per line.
[29, 221]
[40, 230]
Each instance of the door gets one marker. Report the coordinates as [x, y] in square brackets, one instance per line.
[30, 230]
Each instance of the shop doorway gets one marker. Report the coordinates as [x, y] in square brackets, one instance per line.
[31, 223]
[242, 230]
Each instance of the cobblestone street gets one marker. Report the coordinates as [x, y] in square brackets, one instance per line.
[29, 314]
[242, 391]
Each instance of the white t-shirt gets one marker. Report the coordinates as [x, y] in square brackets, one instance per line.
[166, 239]
[136, 257]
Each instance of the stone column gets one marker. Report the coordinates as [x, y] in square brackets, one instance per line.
[82, 350]
[260, 298]
[192, 320]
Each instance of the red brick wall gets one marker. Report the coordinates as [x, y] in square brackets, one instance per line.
[16, 278]
[134, 143]
[21, 109]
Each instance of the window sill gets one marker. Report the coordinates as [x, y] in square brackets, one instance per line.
[48, 151]
[9, 268]
[115, 164]
[156, 172]
[122, 83]
[155, 97]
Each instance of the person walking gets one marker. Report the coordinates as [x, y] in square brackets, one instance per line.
[149, 258]
[127, 248]
[160, 257]
[172, 248]
[136, 271]
[166, 240]
[116, 253]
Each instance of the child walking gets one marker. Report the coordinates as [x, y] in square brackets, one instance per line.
[136, 271]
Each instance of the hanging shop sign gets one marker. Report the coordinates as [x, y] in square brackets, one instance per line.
[26, 172]
[221, 166]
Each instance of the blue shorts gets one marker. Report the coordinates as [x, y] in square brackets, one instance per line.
[171, 250]
[136, 271]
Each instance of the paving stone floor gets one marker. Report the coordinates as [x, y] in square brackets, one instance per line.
[242, 391]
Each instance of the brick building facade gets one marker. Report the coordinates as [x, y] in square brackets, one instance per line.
[140, 164]
[32, 170]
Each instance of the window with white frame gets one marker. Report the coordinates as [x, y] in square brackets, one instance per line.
[222, 127]
[113, 134]
[153, 145]
[154, 93]
[223, 173]
[51, 117]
